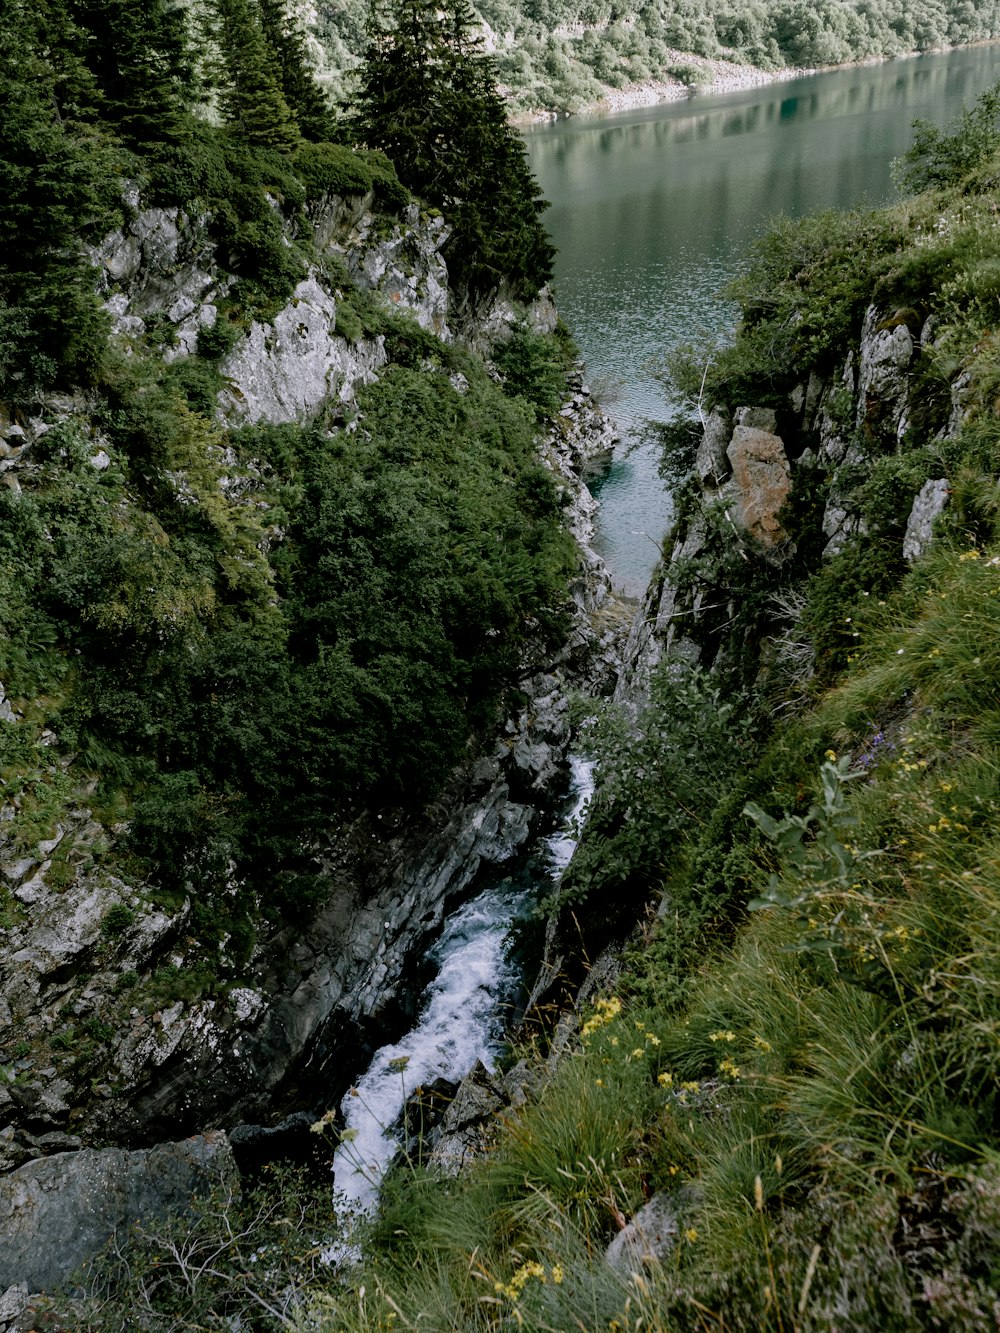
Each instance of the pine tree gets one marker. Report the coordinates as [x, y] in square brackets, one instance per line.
[428, 99]
[59, 177]
[138, 53]
[311, 108]
[253, 101]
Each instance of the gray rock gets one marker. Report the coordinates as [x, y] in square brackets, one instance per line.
[469, 1121]
[13, 1304]
[712, 462]
[757, 418]
[883, 380]
[58, 1212]
[651, 1234]
[928, 503]
[283, 371]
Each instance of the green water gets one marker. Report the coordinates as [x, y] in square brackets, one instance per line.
[652, 210]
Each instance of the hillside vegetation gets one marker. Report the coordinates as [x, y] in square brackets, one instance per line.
[560, 56]
[800, 1057]
[224, 640]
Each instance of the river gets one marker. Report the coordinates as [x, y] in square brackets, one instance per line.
[652, 211]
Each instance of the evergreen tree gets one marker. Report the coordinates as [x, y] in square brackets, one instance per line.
[428, 99]
[139, 55]
[303, 94]
[59, 176]
[253, 101]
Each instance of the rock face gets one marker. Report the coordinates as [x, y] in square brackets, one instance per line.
[58, 1212]
[315, 1000]
[930, 502]
[761, 482]
[284, 371]
[750, 461]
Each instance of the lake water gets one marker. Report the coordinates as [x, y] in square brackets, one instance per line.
[652, 211]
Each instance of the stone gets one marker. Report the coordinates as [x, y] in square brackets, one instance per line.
[761, 482]
[13, 1304]
[711, 461]
[283, 371]
[927, 505]
[651, 1234]
[887, 349]
[758, 418]
[58, 1212]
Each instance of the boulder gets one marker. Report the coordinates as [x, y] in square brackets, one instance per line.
[929, 502]
[651, 1234]
[761, 482]
[57, 1213]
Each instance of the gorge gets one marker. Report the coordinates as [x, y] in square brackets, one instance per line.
[857, 392]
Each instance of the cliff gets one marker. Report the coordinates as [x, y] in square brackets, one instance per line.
[125, 1020]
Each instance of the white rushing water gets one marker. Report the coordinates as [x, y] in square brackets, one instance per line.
[460, 1019]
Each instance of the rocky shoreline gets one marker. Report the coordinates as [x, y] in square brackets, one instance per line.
[709, 78]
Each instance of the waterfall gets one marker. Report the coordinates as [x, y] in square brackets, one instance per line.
[460, 1013]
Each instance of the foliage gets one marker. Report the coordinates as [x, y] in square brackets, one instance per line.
[428, 99]
[946, 157]
[243, 702]
[561, 56]
[247, 1256]
[655, 774]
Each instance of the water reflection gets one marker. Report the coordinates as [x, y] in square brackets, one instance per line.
[652, 210]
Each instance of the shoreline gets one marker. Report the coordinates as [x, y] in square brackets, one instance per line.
[716, 77]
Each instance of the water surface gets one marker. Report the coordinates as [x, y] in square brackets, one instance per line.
[652, 211]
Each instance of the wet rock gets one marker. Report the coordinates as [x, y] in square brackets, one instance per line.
[469, 1121]
[56, 1213]
[927, 505]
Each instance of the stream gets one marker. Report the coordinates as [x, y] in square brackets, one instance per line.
[461, 1012]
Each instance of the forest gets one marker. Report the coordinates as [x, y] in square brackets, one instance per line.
[235, 670]
[559, 57]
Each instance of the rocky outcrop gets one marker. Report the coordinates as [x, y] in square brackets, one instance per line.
[928, 504]
[285, 370]
[749, 461]
[58, 1213]
[761, 483]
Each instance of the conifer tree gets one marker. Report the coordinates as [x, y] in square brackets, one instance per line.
[428, 99]
[139, 54]
[58, 177]
[311, 108]
[253, 101]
